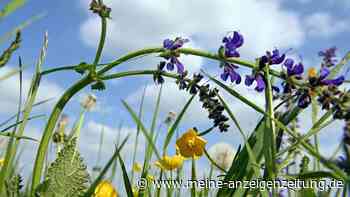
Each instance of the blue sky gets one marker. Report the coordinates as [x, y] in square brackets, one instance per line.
[307, 26]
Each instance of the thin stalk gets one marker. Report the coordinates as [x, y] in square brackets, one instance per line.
[270, 111]
[101, 43]
[193, 177]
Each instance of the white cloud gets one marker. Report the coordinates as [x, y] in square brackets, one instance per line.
[10, 95]
[138, 24]
[324, 25]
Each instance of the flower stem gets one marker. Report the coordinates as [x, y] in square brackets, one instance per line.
[101, 43]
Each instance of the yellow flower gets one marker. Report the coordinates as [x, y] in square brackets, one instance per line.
[170, 163]
[137, 167]
[105, 189]
[190, 144]
[135, 191]
[2, 161]
[150, 178]
[312, 73]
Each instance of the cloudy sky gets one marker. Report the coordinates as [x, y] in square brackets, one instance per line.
[304, 26]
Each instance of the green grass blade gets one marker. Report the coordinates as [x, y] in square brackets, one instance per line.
[143, 128]
[173, 128]
[10, 7]
[339, 67]
[106, 168]
[127, 183]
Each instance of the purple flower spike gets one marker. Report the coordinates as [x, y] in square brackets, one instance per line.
[328, 56]
[231, 43]
[260, 82]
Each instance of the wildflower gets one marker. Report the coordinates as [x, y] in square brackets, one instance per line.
[137, 167]
[271, 58]
[222, 154]
[173, 60]
[260, 81]
[157, 76]
[170, 162]
[89, 102]
[231, 43]
[213, 106]
[304, 100]
[229, 71]
[135, 192]
[181, 81]
[105, 189]
[322, 79]
[190, 144]
[99, 8]
[328, 56]
[294, 71]
[150, 178]
[170, 117]
[2, 161]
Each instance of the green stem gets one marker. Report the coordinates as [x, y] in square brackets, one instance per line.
[42, 150]
[101, 43]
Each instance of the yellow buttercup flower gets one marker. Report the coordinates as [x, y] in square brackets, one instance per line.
[135, 191]
[150, 178]
[312, 73]
[137, 167]
[190, 144]
[105, 189]
[170, 163]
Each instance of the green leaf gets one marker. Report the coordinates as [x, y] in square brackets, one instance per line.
[106, 168]
[127, 183]
[14, 186]
[338, 68]
[67, 175]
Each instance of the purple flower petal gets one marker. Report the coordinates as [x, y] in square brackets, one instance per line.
[324, 73]
[167, 43]
[224, 76]
[298, 69]
[170, 66]
[260, 83]
[249, 79]
[337, 82]
[180, 67]
[289, 63]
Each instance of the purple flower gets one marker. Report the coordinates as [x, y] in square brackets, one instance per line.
[328, 56]
[231, 43]
[324, 81]
[260, 82]
[229, 71]
[173, 60]
[293, 69]
[272, 58]
[174, 44]
[304, 100]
